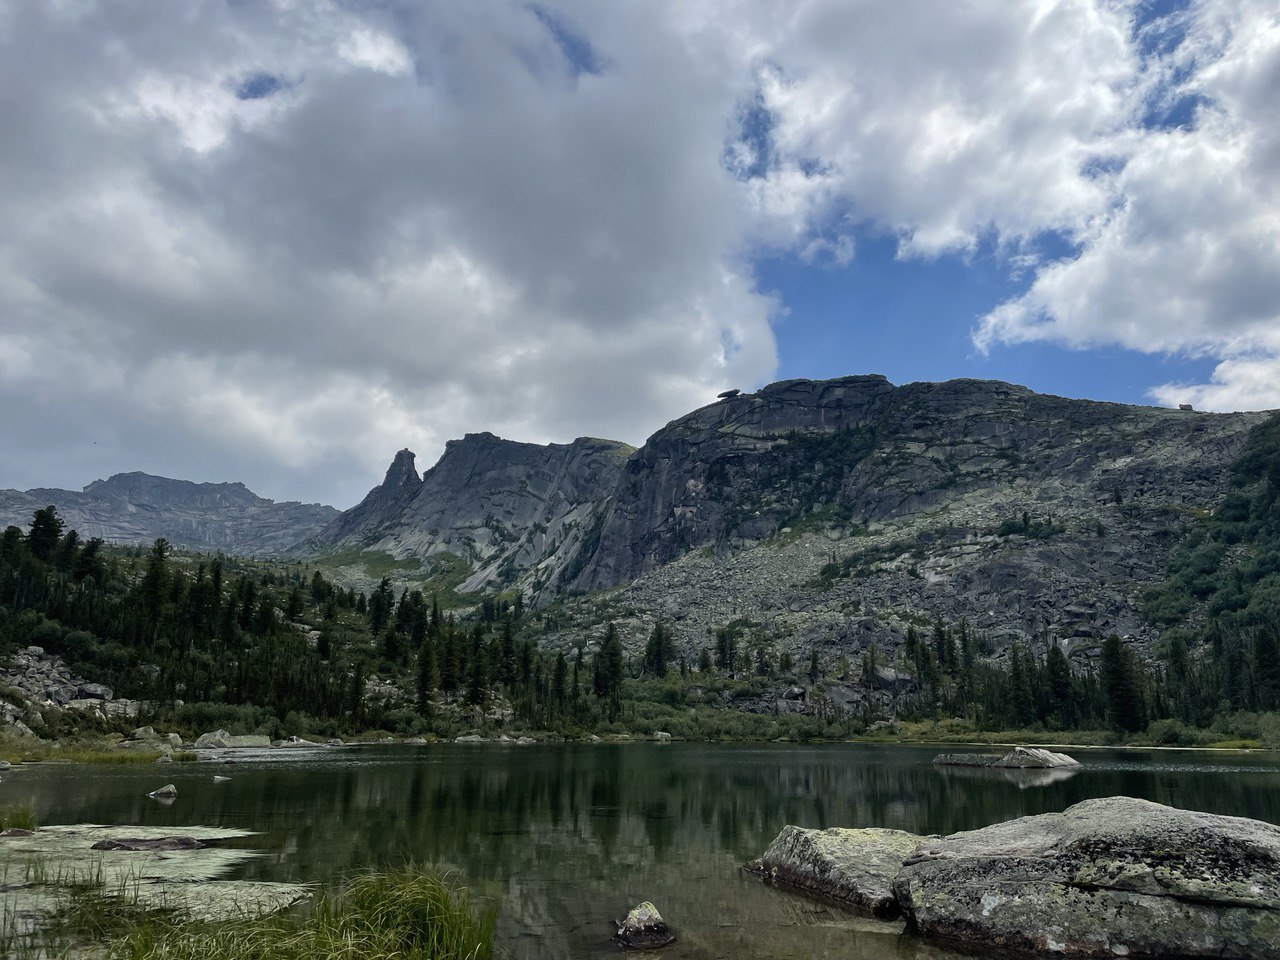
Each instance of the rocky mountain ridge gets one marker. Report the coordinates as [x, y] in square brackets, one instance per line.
[834, 514]
[139, 508]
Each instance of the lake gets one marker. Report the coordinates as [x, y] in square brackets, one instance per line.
[567, 837]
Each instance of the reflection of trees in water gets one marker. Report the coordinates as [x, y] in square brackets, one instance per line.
[590, 811]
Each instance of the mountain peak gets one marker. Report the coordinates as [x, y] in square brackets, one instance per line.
[402, 472]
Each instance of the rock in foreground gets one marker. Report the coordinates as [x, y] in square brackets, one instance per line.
[643, 928]
[1104, 878]
[857, 867]
[1113, 877]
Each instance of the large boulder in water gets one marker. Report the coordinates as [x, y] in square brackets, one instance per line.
[1019, 758]
[1104, 878]
[213, 741]
[856, 867]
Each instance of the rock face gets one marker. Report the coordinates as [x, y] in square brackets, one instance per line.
[857, 867]
[139, 508]
[829, 514]
[1104, 878]
[1019, 758]
[509, 511]
[1113, 877]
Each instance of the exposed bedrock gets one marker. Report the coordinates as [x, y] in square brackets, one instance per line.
[1104, 878]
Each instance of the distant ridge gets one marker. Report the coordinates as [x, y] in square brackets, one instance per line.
[139, 508]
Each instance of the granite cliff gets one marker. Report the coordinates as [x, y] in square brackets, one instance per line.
[139, 508]
[830, 513]
[512, 512]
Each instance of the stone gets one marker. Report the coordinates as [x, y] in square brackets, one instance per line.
[1019, 758]
[143, 733]
[469, 738]
[174, 740]
[167, 792]
[164, 758]
[93, 691]
[416, 742]
[854, 866]
[160, 844]
[643, 928]
[16, 832]
[1104, 878]
[662, 736]
[218, 739]
[220, 779]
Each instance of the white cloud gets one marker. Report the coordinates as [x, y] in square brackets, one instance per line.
[277, 242]
[1185, 256]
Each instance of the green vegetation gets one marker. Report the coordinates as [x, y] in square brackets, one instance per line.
[407, 914]
[20, 816]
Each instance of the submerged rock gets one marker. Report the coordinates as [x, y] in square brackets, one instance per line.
[167, 792]
[1019, 758]
[1105, 878]
[643, 928]
[856, 867]
[162, 844]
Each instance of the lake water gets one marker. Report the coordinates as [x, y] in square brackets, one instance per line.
[567, 837]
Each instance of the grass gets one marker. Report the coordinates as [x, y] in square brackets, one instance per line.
[89, 751]
[19, 815]
[407, 914]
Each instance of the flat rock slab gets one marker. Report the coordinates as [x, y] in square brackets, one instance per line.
[1019, 758]
[856, 867]
[142, 844]
[191, 880]
[1104, 878]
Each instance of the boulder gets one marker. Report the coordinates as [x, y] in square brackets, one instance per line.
[1019, 758]
[469, 738]
[643, 928]
[162, 844]
[661, 736]
[167, 792]
[857, 867]
[1104, 878]
[213, 741]
[173, 739]
[144, 733]
[93, 691]
[219, 779]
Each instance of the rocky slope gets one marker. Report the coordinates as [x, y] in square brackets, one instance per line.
[139, 508]
[838, 514]
[511, 512]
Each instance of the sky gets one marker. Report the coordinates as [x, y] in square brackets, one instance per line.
[275, 241]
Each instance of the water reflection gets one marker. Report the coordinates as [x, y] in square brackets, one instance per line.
[569, 837]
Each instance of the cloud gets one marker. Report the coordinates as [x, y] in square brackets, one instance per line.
[276, 242]
[1184, 258]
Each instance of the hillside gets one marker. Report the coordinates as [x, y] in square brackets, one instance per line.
[834, 514]
[133, 508]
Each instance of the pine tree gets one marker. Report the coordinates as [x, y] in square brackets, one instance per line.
[1122, 684]
[608, 672]
[45, 533]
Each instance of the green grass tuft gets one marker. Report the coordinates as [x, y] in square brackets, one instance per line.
[406, 914]
[19, 815]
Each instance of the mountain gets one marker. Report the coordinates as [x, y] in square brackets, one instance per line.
[838, 512]
[139, 508]
[512, 512]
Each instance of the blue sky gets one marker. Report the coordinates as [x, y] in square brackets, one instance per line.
[911, 320]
